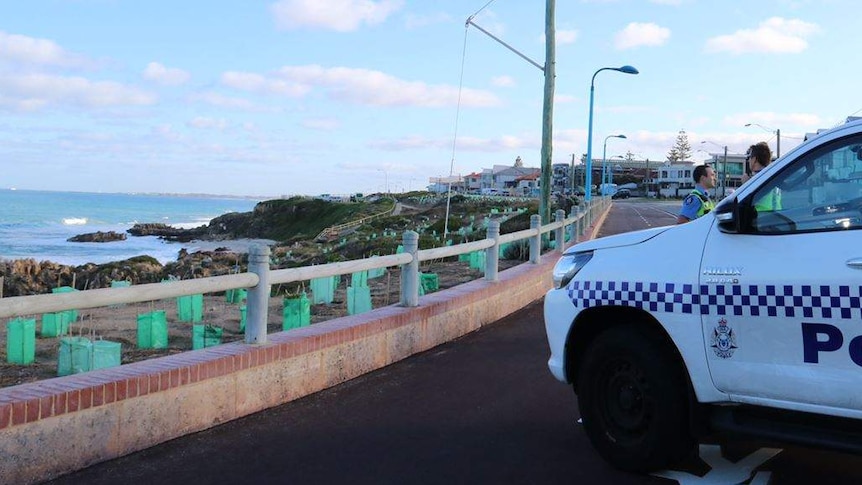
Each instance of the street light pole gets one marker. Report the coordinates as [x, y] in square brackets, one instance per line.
[604, 158]
[589, 168]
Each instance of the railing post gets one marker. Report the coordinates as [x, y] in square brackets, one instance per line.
[536, 241]
[573, 227]
[492, 255]
[410, 271]
[560, 231]
[258, 296]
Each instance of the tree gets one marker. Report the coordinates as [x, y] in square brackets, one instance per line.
[681, 149]
[518, 162]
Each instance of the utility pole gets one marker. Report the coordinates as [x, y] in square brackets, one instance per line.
[778, 143]
[548, 112]
[572, 176]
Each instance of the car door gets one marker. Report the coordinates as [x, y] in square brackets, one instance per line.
[780, 294]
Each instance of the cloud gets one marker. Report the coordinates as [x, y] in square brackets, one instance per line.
[667, 2]
[257, 83]
[774, 35]
[564, 98]
[503, 81]
[338, 15]
[36, 91]
[566, 36]
[160, 74]
[208, 123]
[418, 21]
[323, 124]
[375, 88]
[465, 143]
[232, 102]
[31, 50]
[641, 34]
[563, 37]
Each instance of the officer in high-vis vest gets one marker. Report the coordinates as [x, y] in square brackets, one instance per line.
[698, 202]
[758, 157]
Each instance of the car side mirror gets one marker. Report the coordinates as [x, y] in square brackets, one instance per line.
[734, 217]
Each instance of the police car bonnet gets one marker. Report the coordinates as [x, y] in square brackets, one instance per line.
[625, 239]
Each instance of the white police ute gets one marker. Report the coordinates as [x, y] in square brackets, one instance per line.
[745, 321]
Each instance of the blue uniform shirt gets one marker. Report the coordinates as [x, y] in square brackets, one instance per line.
[692, 203]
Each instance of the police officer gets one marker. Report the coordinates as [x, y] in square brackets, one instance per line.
[758, 157]
[698, 202]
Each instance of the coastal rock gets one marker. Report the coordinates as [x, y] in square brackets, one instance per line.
[98, 237]
[168, 233]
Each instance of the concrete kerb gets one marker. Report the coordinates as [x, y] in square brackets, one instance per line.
[56, 426]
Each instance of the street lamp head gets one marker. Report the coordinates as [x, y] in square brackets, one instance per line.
[628, 69]
[748, 124]
[619, 136]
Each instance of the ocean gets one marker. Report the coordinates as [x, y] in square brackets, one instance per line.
[36, 224]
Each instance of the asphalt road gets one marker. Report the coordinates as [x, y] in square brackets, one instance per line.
[482, 409]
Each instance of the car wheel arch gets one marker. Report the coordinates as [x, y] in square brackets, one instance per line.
[592, 322]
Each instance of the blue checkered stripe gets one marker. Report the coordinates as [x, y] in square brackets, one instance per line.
[807, 301]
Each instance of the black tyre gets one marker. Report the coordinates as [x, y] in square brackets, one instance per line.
[632, 399]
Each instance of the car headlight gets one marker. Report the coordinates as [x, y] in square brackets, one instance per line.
[568, 266]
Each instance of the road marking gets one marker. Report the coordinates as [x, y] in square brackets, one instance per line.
[723, 471]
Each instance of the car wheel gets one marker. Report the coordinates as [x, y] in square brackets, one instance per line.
[632, 399]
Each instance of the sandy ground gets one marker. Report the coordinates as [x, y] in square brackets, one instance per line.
[119, 324]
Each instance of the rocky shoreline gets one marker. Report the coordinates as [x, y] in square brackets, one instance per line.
[288, 226]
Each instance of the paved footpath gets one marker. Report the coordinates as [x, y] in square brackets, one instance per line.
[483, 409]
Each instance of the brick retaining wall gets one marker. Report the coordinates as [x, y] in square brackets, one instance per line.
[63, 424]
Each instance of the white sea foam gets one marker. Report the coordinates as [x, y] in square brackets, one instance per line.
[75, 221]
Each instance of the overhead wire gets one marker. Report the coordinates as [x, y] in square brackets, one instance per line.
[457, 117]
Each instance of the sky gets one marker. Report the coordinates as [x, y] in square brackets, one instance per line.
[286, 97]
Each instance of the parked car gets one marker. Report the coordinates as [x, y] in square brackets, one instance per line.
[744, 321]
[621, 194]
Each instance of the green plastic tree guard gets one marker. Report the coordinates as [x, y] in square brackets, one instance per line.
[322, 290]
[236, 295]
[74, 356]
[429, 281]
[243, 315]
[296, 313]
[106, 354]
[204, 336]
[21, 341]
[152, 330]
[56, 324]
[359, 278]
[358, 300]
[190, 308]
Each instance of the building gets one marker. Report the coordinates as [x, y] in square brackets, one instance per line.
[501, 179]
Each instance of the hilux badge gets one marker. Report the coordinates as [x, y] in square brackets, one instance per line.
[723, 340]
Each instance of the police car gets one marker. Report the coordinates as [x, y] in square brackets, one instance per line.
[747, 320]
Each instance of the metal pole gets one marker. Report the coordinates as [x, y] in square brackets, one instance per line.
[778, 143]
[724, 173]
[604, 168]
[258, 296]
[548, 112]
[589, 168]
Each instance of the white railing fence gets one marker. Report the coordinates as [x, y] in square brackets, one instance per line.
[260, 278]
